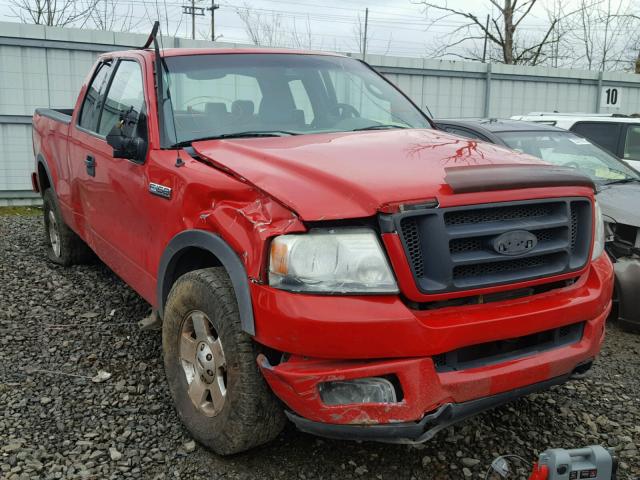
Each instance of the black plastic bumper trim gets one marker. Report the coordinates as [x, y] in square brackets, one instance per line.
[422, 431]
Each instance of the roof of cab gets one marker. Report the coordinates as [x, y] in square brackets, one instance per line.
[149, 53]
[176, 52]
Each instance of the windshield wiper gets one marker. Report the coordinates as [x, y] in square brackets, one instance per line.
[623, 180]
[247, 134]
[378, 127]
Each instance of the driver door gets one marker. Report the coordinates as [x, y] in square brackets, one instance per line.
[119, 222]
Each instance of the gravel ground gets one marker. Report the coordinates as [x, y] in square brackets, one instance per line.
[60, 327]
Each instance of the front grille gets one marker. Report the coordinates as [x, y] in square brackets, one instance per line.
[465, 245]
[475, 270]
[497, 214]
[412, 241]
[573, 234]
[504, 350]
[454, 249]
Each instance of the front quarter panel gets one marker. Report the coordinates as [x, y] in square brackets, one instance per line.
[203, 198]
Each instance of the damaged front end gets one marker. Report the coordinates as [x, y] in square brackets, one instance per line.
[623, 247]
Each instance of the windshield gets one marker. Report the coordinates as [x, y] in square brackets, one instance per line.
[228, 94]
[569, 150]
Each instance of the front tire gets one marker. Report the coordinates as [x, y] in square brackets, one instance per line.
[210, 363]
[64, 246]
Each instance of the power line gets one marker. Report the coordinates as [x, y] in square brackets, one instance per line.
[388, 21]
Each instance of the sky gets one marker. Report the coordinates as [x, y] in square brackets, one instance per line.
[396, 27]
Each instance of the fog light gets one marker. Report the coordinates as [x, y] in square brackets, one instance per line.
[360, 390]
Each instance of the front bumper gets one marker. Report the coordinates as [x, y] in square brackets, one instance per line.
[328, 338]
[425, 429]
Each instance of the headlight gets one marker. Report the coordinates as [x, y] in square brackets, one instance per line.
[598, 238]
[344, 260]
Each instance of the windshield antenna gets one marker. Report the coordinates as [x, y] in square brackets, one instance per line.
[429, 110]
[159, 63]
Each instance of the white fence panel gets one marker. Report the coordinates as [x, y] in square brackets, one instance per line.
[45, 66]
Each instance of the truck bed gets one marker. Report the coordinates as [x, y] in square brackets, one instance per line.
[51, 141]
[59, 114]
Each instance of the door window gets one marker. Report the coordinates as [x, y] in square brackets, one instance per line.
[90, 109]
[604, 134]
[632, 143]
[125, 93]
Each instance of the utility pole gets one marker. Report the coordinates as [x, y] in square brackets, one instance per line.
[213, 9]
[193, 19]
[486, 37]
[364, 42]
[193, 11]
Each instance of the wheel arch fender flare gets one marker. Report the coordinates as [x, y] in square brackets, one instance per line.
[41, 160]
[226, 256]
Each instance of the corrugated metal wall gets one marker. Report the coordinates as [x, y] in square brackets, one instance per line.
[45, 66]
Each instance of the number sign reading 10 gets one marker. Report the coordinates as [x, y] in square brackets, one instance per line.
[610, 97]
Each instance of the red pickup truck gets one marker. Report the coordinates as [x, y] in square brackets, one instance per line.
[316, 249]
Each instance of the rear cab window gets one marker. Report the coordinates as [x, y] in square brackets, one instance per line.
[92, 104]
[301, 100]
[200, 103]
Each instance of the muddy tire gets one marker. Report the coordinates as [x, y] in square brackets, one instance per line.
[210, 363]
[64, 246]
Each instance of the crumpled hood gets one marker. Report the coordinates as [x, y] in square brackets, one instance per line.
[621, 202]
[352, 174]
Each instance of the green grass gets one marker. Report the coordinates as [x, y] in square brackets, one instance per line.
[24, 211]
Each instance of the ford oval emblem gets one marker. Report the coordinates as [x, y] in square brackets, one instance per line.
[515, 242]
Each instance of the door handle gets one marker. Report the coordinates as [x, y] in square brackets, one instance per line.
[90, 162]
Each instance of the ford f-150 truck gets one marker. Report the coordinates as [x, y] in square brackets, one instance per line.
[315, 249]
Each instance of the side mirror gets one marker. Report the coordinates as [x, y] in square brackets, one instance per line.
[124, 138]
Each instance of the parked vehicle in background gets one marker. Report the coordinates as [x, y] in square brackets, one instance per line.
[619, 134]
[312, 245]
[618, 191]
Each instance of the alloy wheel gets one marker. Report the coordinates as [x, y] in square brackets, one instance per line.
[54, 235]
[203, 363]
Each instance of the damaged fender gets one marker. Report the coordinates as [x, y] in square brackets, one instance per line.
[248, 219]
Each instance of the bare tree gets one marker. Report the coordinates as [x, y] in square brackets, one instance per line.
[302, 39]
[59, 13]
[358, 35]
[263, 29]
[636, 48]
[506, 44]
[112, 15]
[163, 16]
[603, 35]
